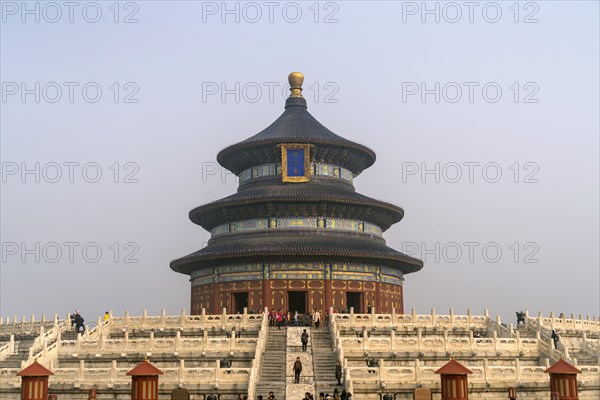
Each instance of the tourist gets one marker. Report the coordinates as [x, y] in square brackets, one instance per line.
[336, 394]
[344, 395]
[106, 315]
[304, 339]
[555, 338]
[78, 322]
[271, 396]
[272, 315]
[369, 308]
[240, 397]
[296, 318]
[259, 397]
[476, 334]
[297, 370]
[338, 372]
[317, 318]
[279, 318]
[321, 396]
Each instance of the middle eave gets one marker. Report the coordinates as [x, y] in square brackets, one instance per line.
[302, 200]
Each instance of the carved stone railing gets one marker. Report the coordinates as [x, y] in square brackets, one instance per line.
[394, 343]
[338, 348]
[419, 374]
[412, 320]
[590, 325]
[8, 348]
[151, 344]
[109, 377]
[261, 343]
[223, 321]
[24, 326]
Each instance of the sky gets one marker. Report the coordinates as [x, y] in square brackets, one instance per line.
[483, 116]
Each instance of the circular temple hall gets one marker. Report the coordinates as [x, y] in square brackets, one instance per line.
[296, 235]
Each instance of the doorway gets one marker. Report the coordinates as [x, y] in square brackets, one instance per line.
[355, 299]
[297, 302]
[239, 301]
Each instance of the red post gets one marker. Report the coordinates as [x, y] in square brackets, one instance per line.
[563, 380]
[454, 382]
[34, 382]
[144, 381]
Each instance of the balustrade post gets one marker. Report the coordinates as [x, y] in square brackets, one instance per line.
[365, 337]
[55, 319]
[517, 369]
[469, 318]
[78, 342]
[144, 318]
[498, 325]
[177, 340]
[495, 338]
[11, 344]
[245, 318]
[204, 339]
[486, 370]
[101, 340]
[585, 344]
[393, 317]
[43, 321]
[433, 316]
[217, 376]
[539, 318]
[203, 317]
[451, 316]
[471, 339]
[518, 338]
[126, 342]
[163, 319]
[81, 372]
[417, 370]
[351, 316]
[392, 340]
[419, 337]
[126, 318]
[232, 341]
[181, 372]
[413, 316]
[113, 372]
[382, 374]
[182, 318]
[99, 323]
[445, 339]
[151, 341]
[42, 335]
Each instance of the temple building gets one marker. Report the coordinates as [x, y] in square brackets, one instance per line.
[296, 235]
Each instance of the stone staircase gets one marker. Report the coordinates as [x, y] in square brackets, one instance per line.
[273, 368]
[324, 362]
[22, 354]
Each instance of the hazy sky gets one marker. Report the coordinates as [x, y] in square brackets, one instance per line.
[484, 118]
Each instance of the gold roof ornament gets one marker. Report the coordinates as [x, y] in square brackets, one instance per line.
[295, 80]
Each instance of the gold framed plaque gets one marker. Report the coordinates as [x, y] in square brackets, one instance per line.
[295, 162]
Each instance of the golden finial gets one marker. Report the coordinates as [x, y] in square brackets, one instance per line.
[296, 79]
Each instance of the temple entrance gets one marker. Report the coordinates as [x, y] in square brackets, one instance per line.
[297, 302]
[239, 301]
[355, 299]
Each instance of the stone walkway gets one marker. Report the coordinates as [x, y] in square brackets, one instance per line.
[296, 391]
